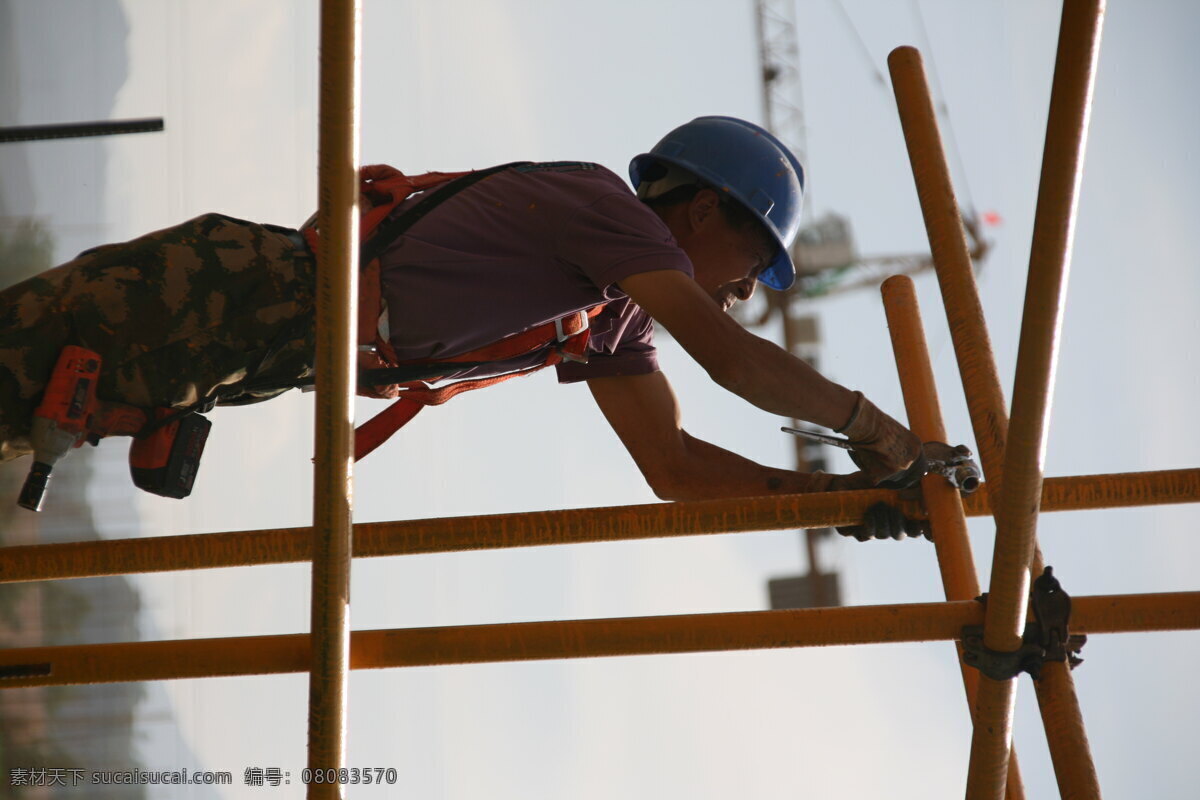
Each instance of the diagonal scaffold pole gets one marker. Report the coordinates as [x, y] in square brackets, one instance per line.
[569, 639]
[947, 520]
[570, 526]
[336, 312]
[1024, 455]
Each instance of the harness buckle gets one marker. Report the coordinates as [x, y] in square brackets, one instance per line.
[561, 335]
[579, 337]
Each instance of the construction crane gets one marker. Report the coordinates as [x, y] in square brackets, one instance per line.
[827, 262]
[826, 258]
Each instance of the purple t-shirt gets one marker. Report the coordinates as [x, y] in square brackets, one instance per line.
[523, 247]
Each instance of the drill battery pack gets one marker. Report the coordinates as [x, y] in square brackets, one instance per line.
[165, 461]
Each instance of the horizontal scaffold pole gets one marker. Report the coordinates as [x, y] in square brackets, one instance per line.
[533, 641]
[572, 526]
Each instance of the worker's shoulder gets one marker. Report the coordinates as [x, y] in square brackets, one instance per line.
[565, 168]
[586, 175]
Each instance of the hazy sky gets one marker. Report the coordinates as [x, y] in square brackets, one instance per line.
[453, 85]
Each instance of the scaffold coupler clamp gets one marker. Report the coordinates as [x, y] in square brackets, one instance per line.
[1047, 638]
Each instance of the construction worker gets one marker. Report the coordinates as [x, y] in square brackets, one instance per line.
[221, 310]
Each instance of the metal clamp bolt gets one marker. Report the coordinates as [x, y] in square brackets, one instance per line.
[1047, 638]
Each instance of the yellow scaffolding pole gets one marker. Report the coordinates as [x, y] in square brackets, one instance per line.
[591, 638]
[572, 526]
[946, 517]
[336, 306]
[951, 260]
[1041, 322]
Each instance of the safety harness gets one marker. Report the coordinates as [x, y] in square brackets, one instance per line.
[380, 373]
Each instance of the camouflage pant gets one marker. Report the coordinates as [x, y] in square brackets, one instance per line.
[215, 308]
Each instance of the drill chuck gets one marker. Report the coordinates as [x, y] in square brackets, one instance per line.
[60, 421]
[34, 489]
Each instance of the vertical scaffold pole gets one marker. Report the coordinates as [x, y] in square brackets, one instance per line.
[337, 293]
[1041, 322]
[944, 503]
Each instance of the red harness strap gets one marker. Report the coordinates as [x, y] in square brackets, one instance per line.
[382, 188]
[571, 334]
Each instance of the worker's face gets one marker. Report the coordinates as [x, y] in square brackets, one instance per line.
[726, 261]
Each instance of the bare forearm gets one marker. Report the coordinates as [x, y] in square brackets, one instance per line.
[769, 377]
[708, 471]
[644, 414]
[756, 370]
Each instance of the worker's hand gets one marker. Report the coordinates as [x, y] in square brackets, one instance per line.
[884, 449]
[379, 184]
[883, 521]
[379, 172]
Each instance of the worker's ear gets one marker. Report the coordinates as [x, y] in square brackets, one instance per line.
[703, 206]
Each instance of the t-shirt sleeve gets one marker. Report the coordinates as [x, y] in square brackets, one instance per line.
[625, 348]
[608, 240]
[617, 236]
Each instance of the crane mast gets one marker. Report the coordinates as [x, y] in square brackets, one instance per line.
[783, 114]
[827, 262]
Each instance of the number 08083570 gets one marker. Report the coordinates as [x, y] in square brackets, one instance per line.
[352, 775]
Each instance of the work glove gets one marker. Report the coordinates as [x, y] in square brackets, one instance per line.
[883, 521]
[889, 453]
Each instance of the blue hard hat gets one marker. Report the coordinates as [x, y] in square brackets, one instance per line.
[748, 163]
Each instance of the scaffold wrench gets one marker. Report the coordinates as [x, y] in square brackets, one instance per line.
[953, 463]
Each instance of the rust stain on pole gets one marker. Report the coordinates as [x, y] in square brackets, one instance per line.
[528, 641]
[337, 295]
[1041, 322]
[572, 526]
[943, 502]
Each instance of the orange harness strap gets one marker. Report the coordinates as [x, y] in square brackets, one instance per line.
[382, 188]
[565, 330]
[416, 395]
[413, 396]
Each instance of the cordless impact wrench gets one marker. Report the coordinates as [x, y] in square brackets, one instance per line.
[166, 449]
